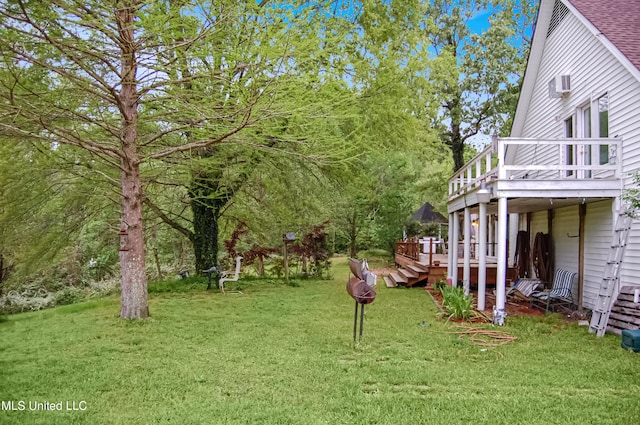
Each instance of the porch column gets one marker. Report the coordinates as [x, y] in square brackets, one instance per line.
[450, 246]
[454, 248]
[466, 274]
[492, 234]
[482, 255]
[498, 309]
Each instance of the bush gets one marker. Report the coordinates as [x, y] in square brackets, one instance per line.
[440, 285]
[30, 299]
[68, 295]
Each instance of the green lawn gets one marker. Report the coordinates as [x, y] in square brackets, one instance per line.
[285, 355]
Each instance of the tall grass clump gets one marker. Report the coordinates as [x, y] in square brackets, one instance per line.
[458, 305]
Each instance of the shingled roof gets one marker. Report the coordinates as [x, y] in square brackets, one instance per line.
[618, 20]
[427, 214]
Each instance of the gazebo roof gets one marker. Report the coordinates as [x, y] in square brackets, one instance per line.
[426, 214]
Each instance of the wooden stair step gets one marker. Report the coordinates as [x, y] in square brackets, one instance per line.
[390, 283]
[418, 269]
[398, 278]
[409, 274]
[424, 264]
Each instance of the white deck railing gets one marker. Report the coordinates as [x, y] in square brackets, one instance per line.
[545, 159]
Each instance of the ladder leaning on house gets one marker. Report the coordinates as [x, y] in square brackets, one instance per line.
[611, 279]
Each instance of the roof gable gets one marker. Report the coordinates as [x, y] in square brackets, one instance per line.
[616, 23]
[618, 20]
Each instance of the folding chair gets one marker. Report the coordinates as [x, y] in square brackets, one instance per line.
[561, 293]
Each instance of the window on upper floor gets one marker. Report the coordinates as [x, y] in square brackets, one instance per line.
[603, 126]
[589, 120]
[569, 150]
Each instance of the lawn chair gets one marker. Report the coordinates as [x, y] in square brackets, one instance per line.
[524, 287]
[562, 293]
[224, 277]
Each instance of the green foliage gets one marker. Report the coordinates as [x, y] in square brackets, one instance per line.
[440, 285]
[68, 295]
[174, 285]
[376, 255]
[476, 77]
[632, 195]
[458, 305]
[277, 116]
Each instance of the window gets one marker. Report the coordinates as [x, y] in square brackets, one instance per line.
[569, 150]
[603, 126]
[585, 133]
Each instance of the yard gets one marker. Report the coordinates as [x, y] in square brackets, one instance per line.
[285, 355]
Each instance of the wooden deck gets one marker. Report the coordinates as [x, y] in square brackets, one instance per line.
[430, 269]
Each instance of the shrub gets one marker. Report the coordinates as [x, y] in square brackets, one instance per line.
[439, 285]
[31, 298]
[68, 295]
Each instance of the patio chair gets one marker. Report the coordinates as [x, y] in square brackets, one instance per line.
[224, 277]
[562, 293]
[524, 287]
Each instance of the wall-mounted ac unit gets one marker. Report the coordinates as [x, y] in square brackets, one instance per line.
[560, 86]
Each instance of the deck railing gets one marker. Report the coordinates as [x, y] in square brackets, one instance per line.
[410, 249]
[546, 159]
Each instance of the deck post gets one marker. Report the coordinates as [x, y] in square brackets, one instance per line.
[449, 245]
[453, 244]
[492, 236]
[466, 273]
[482, 255]
[498, 310]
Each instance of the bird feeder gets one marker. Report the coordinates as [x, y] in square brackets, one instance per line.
[124, 240]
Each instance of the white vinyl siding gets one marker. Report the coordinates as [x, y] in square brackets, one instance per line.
[592, 75]
[574, 50]
[538, 224]
[565, 238]
[630, 272]
[598, 230]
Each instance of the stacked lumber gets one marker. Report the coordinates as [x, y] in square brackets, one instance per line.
[625, 314]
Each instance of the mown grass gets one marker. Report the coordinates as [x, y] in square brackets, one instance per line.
[285, 355]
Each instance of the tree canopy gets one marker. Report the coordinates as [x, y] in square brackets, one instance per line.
[196, 115]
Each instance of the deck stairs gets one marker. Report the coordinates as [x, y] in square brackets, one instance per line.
[407, 275]
[610, 285]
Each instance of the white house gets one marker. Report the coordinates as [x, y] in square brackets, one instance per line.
[572, 151]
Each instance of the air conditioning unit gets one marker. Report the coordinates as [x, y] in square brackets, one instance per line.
[560, 86]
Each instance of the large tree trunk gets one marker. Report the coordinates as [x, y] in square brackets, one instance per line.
[205, 231]
[457, 150]
[353, 233]
[1, 272]
[456, 142]
[134, 303]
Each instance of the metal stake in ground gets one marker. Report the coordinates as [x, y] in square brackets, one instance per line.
[355, 321]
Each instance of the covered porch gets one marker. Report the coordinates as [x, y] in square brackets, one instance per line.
[500, 187]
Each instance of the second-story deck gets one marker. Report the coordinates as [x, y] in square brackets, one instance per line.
[528, 171]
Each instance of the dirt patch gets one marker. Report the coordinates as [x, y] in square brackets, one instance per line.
[513, 307]
[385, 271]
